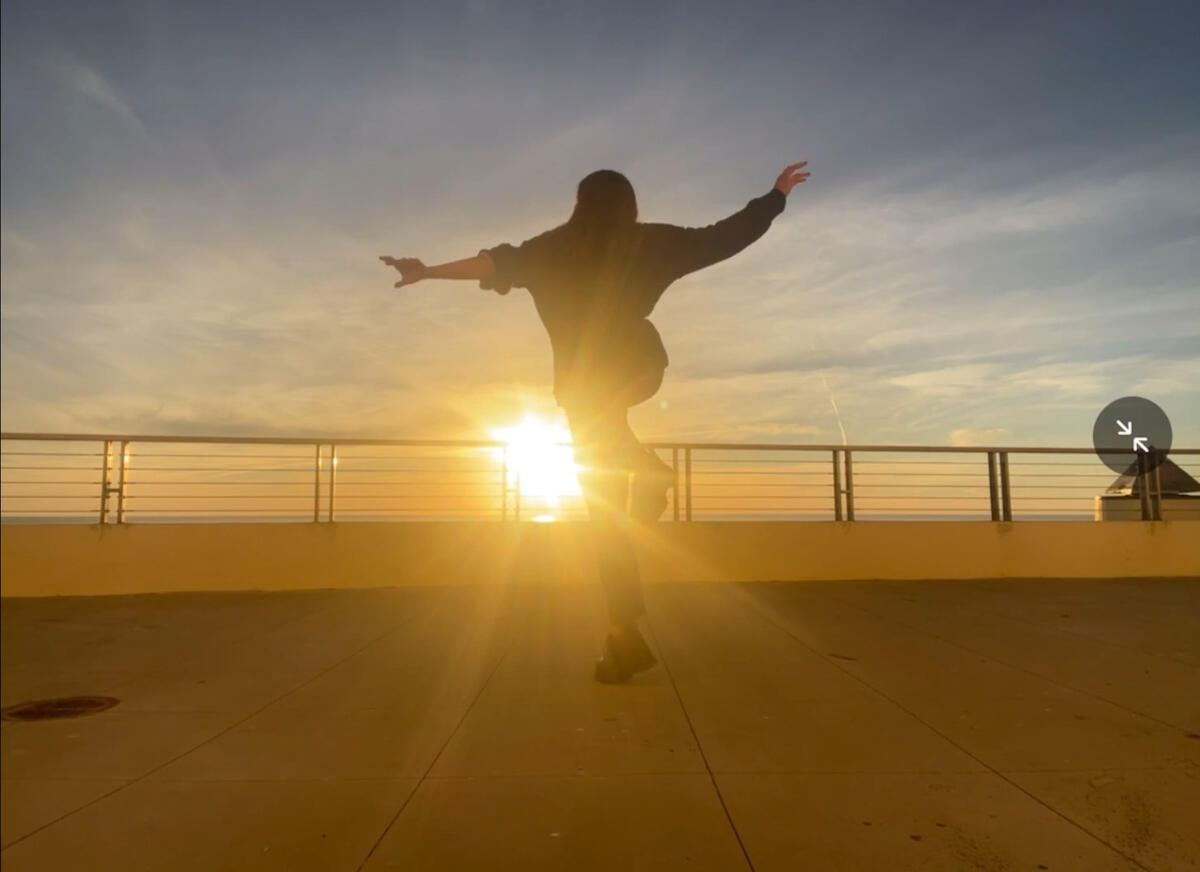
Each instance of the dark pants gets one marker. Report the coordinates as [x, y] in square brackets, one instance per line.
[608, 453]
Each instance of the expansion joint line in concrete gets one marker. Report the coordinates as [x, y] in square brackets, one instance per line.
[704, 757]
[432, 763]
[990, 768]
[992, 659]
[219, 733]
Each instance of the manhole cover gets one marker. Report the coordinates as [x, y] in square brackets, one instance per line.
[64, 707]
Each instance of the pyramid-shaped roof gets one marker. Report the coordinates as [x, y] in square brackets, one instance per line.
[1174, 480]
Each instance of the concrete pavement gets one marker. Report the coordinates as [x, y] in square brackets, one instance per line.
[844, 725]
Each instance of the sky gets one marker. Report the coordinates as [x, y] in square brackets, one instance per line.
[1000, 236]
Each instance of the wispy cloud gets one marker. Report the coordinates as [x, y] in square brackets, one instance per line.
[86, 80]
[978, 436]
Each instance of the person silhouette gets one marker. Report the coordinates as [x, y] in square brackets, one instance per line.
[594, 281]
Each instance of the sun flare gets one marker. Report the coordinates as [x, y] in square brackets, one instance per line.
[540, 460]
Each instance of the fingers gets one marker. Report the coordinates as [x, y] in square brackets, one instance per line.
[791, 176]
[404, 264]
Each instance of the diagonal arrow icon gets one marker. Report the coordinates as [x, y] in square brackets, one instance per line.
[1130, 432]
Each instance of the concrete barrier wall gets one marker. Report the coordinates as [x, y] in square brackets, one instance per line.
[82, 560]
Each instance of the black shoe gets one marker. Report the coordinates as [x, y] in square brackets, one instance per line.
[624, 654]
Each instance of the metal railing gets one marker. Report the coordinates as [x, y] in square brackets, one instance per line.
[105, 479]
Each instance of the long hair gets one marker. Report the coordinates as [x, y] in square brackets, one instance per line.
[604, 199]
[604, 217]
[605, 353]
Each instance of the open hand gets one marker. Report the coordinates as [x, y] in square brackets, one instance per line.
[791, 176]
[411, 269]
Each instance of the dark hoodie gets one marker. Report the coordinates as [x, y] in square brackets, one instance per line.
[595, 309]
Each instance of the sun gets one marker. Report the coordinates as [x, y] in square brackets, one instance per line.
[541, 462]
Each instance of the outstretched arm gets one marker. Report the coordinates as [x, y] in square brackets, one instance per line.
[475, 268]
[688, 249]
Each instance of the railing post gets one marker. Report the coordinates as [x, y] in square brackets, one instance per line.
[675, 492]
[504, 482]
[849, 485]
[687, 474]
[1156, 474]
[104, 483]
[837, 486]
[1005, 489]
[1144, 480]
[317, 484]
[332, 471]
[122, 483]
[993, 486]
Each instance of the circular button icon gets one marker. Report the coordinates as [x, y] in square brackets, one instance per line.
[1132, 434]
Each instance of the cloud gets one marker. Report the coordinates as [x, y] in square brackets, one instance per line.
[972, 436]
[759, 430]
[88, 81]
[948, 381]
